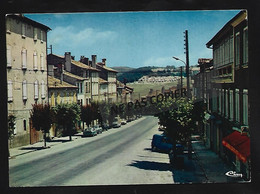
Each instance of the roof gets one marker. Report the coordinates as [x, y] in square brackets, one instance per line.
[78, 63]
[73, 75]
[56, 83]
[228, 26]
[107, 68]
[27, 20]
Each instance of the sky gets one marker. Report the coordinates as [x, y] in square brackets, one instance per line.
[134, 39]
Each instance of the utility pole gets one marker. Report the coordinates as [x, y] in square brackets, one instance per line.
[187, 63]
[181, 79]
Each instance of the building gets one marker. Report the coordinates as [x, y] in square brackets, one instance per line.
[26, 43]
[85, 77]
[59, 92]
[109, 75]
[228, 111]
[124, 93]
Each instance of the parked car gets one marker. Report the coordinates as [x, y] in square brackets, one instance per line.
[89, 132]
[105, 127]
[123, 122]
[116, 123]
[162, 143]
[98, 129]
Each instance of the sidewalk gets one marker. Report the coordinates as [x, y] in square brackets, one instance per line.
[39, 145]
[204, 167]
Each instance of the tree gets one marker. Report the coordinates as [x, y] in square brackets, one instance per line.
[42, 117]
[67, 115]
[11, 127]
[179, 116]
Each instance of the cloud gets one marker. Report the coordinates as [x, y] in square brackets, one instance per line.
[73, 37]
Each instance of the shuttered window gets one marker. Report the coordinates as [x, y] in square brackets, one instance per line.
[35, 34]
[43, 89]
[24, 59]
[226, 103]
[245, 107]
[42, 61]
[237, 49]
[36, 90]
[35, 62]
[23, 30]
[24, 90]
[231, 108]
[10, 90]
[237, 107]
[245, 46]
[9, 56]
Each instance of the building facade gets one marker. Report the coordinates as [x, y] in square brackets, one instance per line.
[26, 43]
[59, 92]
[227, 128]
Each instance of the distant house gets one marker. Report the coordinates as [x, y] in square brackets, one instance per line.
[124, 92]
[60, 92]
[85, 77]
[227, 129]
[106, 79]
[26, 43]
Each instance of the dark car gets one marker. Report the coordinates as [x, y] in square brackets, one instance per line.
[162, 143]
[89, 132]
[105, 127]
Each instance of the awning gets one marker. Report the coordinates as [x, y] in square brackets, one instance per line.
[239, 144]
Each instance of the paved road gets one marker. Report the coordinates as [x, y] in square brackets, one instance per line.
[122, 156]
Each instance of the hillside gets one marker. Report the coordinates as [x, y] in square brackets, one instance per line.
[133, 74]
[122, 69]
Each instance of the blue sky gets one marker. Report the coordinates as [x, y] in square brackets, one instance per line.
[134, 39]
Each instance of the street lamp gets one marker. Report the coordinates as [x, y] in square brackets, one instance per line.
[187, 74]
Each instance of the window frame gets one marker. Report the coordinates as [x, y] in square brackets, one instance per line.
[10, 90]
[24, 90]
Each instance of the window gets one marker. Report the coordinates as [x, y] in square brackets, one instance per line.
[231, 50]
[226, 103]
[245, 46]
[23, 30]
[36, 90]
[10, 90]
[219, 100]
[24, 124]
[231, 109]
[222, 102]
[35, 34]
[9, 56]
[245, 107]
[24, 59]
[35, 64]
[42, 61]
[24, 90]
[43, 89]
[237, 49]
[237, 107]
[41, 36]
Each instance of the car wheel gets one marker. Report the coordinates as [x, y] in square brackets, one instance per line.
[153, 148]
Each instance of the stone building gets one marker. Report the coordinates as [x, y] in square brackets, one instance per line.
[227, 128]
[26, 43]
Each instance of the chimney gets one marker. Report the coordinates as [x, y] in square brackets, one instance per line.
[61, 74]
[104, 62]
[94, 61]
[68, 61]
[82, 59]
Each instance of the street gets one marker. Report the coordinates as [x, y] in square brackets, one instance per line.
[118, 156]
